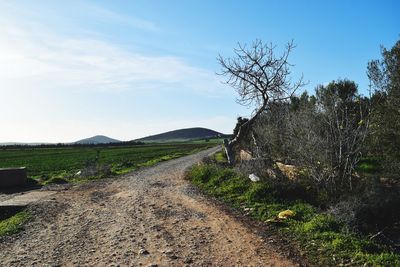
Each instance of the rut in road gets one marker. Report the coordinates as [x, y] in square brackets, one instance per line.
[152, 216]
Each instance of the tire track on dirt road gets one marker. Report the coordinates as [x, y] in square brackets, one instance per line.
[150, 216]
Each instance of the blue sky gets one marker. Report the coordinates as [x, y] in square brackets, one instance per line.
[126, 69]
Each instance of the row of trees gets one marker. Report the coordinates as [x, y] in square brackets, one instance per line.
[323, 134]
[62, 145]
[327, 133]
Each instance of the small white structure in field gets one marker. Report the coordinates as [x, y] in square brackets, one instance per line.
[254, 178]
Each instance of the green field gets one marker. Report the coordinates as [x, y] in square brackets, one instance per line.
[47, 164]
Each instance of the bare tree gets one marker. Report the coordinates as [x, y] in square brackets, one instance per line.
[327, 137]
[346, 122]
[260, 78]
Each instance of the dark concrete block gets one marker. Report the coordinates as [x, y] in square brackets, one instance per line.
[12, 177]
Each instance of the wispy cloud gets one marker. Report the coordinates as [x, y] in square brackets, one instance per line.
[56, 84]
[44, 59]
[109, 15]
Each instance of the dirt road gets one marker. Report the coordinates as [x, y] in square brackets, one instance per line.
[151, 217]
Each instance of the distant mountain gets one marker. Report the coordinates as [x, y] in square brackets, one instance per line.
[183, 135]
[98, 139]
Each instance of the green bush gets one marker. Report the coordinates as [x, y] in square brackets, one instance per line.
[321, 223]
[236, 186]
[201, 174]
[219, 176]
[304, 211]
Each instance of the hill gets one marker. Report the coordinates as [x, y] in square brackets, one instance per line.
[183, 135]
[98, 139]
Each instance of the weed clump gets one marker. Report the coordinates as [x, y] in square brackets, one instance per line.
[326, 239]
[321, 223]
[14, 224]
[56, 180]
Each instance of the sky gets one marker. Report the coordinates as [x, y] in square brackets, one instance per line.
[127, 69]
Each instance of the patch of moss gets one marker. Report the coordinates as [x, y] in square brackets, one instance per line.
[14, 224]
[321, 223]
[220, 157]
[369, 166]
[55, 180]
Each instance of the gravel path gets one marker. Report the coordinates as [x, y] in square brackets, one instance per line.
[151, 217]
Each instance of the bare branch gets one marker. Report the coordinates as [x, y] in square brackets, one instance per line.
[259, 77]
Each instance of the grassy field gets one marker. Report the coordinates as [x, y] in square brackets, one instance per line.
[50, 164]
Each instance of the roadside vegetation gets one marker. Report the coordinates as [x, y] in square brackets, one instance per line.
[328, 160]
[322, 238]
[81, 163]
[14, 223]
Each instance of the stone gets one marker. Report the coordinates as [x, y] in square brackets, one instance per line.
[254, 178]
[143, 252]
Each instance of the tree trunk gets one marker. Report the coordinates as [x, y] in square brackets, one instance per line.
[244, 128]
[230, 154]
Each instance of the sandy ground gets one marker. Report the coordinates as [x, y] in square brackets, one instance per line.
[151, 217]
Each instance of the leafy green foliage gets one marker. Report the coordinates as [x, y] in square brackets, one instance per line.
[384, 140]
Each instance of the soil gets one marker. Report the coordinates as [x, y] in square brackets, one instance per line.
[151, 217]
